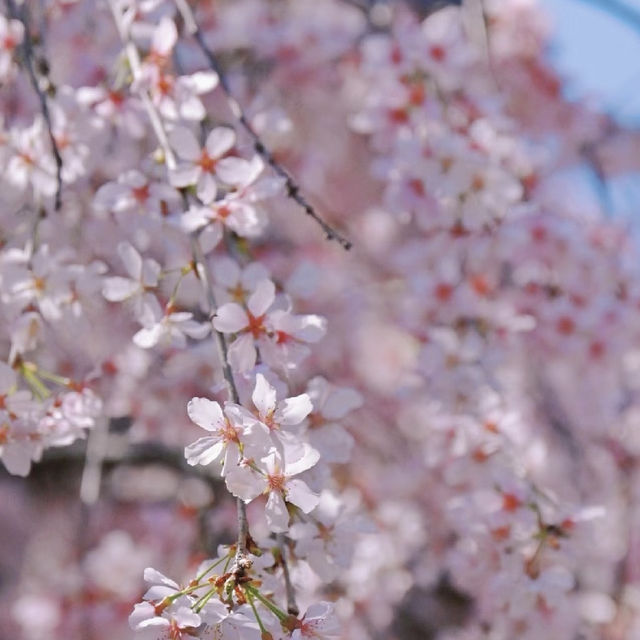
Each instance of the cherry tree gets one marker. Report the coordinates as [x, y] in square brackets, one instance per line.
[307, 332]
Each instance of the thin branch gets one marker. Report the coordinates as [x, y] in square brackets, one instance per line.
[292, 188]
[28, 57]
[292, 607]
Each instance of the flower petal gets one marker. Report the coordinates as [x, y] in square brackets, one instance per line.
[206, 413]
[230, 318]
[219, 141]
[262, 298]
[276, 512]
[237, 171]
[298, 493]
[264, 396]
[204, 451]
[184, 143]
[294, 410]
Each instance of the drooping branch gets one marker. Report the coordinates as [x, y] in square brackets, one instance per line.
[292, 606]
[291, 186]
[28, 58]
[242, 561]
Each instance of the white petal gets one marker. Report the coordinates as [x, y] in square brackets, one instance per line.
[262, 298]
[193, 329]
[340, 403]
[242, 353]
[298, 493]
[244, 483]
[191, 108]
[110, 196]
[309, 456]
[165, 36]
[116, 289]
[201, 81]
[207, 187]
[158, 592]
[230, 318]
[237, 171]
[210, 237]
[131, 259]
[264, 396]
[219, 141]
[150, 273]
[204, 451]
[185, 144]
[294, 410]
[17, 458]
[185, 174]
[153, 576]
[148, 337]
[276, 512]
[141, 612]
[195, 218]
[187, 618]
[311, 328]
[206, 413]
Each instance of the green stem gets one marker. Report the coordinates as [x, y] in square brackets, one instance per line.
[53, 377]
[198, 605]
[279, 613]
[35, 383]
[213, 566]
[255, 611]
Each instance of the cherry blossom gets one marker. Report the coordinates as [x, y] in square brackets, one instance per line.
[11, 34]
[273, 475]
[201, 166]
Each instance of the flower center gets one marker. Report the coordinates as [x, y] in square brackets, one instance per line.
[276, 482]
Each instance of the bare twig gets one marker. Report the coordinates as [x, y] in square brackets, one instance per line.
[292, 188]
[28, 58]
[292, 607]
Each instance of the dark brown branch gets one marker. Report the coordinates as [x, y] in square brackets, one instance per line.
[292, 606]
[28, 59]
[291, 187]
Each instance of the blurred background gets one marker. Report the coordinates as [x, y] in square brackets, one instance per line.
[596, 48]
